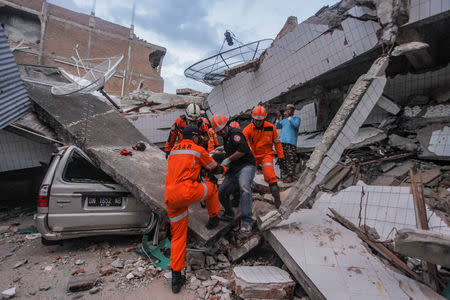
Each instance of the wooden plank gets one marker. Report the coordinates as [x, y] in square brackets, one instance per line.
[426, 176]
[330, 185]
[380, 248]
[422, 223]
[394, 157]
[335, 170]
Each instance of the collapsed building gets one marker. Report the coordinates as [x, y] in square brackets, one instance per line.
[371, 88]
[370, 81]
[46, 34]
[40, 33]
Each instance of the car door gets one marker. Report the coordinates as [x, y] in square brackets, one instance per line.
[83, 197]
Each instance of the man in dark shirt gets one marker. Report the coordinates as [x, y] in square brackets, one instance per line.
[241, 171]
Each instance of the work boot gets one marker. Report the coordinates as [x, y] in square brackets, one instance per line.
[275, 191]
[178, 281]
[225, 217]
[212, 223]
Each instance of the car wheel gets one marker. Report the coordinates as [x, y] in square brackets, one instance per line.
[46, 242]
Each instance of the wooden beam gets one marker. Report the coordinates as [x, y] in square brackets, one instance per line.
[422, 223]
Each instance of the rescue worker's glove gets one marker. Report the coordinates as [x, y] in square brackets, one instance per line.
[281, 161]
[167, 154]
[226, 162]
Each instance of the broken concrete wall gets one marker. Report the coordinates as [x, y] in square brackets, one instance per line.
[311, 49]
[355, 109]
[290, 62]
[418, 89]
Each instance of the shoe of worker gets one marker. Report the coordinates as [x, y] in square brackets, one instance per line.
[212, 223]
[178, 281]
[246, 228]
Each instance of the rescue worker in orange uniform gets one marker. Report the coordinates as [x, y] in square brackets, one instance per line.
[235, 124]
[192, 115]
[213, 143]
[261, 137]
[183, 189]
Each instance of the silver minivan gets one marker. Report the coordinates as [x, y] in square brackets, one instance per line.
[77, 199]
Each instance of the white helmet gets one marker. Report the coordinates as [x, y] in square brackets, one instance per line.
[193, 112]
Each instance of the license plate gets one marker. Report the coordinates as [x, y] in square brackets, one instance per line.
[104, 201]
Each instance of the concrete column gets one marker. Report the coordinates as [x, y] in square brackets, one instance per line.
[127, 71]
[44, 18]
[91, 27]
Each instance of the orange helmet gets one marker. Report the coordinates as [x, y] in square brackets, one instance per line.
[205, 120]
[219, 122]
[259, 113]
[235, 125]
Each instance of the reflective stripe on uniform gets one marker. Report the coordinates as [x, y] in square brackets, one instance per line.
[179, 217]
[267, 164]
[212, 165]
[192, 152]
[205, 192]
[276, 140]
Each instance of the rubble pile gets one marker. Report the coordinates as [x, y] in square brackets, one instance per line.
[144, 101]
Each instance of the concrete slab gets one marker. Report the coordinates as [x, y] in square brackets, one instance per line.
[330, 262]
[429, 246]
[198, 217]
[435, 141]
[102, 136]
[263, 282]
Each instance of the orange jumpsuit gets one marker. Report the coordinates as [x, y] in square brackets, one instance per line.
[184, 189]
[212, 142]
[261, 142]
[175, 135]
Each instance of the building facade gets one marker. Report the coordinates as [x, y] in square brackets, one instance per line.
[46, 34]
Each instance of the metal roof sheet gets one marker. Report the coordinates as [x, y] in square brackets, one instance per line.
[14, 101]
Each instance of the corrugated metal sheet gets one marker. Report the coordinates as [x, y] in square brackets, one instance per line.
[14, 102]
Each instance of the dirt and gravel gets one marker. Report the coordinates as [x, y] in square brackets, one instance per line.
[43, 272]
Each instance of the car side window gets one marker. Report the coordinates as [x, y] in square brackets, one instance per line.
[78, 169]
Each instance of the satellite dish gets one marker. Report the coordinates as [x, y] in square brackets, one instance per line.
[213, 70]
[94, 79]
